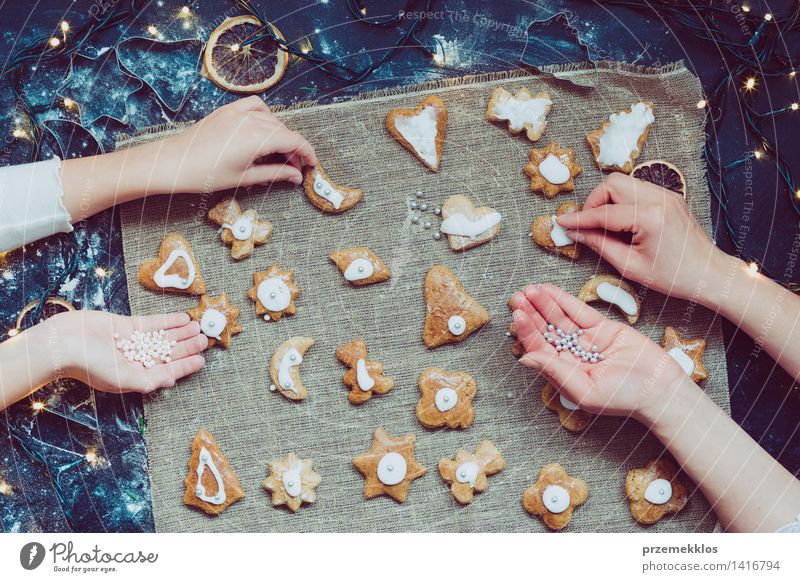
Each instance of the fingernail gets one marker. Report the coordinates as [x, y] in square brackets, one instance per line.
[297, 180]
[518, 316]
[531, 288]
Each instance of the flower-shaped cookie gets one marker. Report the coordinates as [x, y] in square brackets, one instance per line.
[655, 491]
[547, 233]
[552, 170]
[570, 416]
[522, 110]
[211, 483]
[467, 472]
[452, 314]
[613, 290]
[446, 399]
[389, 466]
[292, 481]
[241, 230]
[218, 319]
[364, 378]
[176, 269]
[554, 496]
[274, 293]
[360, 266]
[687, 352]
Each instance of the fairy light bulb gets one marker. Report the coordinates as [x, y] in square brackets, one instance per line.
[702, 104]
[792, 74]
[100, 272]
[5, 488]
[37, 406]
[54, 42]
[64, 26]
[750, 84]
[794, 106]
[768, 16]
[13, 332]
[745, 8]
[235, 47]
[18, 133]
[91, 457]
[752, 268]
[152, 30]
[186, 11]
[68, 103]
[757, 154]
[797, 193]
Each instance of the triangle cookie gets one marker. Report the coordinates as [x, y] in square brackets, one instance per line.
[421, 130]
[211, 483]
[176, 269]
[452, 315]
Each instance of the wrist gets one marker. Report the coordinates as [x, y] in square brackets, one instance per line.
[665, 415]
[57, 345]
[720, 281]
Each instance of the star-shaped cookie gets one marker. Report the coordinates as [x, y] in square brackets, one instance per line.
[452, 314]
[240, 230]
[218, 319]
[446, 399]
[687, 352]
[655, 491]
[176, 269]
[552, 170]
[360, 266]
[292, 481]
[274, 293]
[389, 466]
[570, 416]
[547, 233]
[554, 496]
[364, 378]
[467, 472]
[211, 483]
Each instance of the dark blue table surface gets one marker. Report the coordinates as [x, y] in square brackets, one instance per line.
[42, 455]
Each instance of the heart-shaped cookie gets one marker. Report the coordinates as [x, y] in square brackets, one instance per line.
[466, 225]
[175, 270]
[421, 130]
[326, 194]
[452, 314]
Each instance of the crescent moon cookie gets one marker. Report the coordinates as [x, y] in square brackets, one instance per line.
[240, 230]
[467, 472]
[446, 399]
[176, 269]
[274, 293]
[523, 110]
[452, 314]
[570, 416]
[284, 368]
[389, 466]
[218, 319]
[364, 378]
[618, 141]
[547, 233]
[360, 266]
[552, 170]
[421, 130]
[687, 352]
[612, 290]
[655, 491]
[327, 195]
[555, 496]
[292, 481]
[466, 225]
[211, 483]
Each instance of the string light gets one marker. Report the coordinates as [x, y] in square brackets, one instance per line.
[54, 42]
[100, 272]
[750, 84]
[768, 16]
[37, 406]
[745, 8]
[64, 26]
[794, 106]
[757, 154]
[702, 103]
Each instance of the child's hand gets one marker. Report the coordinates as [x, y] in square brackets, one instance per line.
[636, 377]
[82, 346]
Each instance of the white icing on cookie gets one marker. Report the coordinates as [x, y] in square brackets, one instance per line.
[392, 469]
[554, 170]
[325, 189]
[461, 225]
[445, 399]
[617, 296]
[567, 403]
[658, 492]
[292, 481]
[290, 359]
[558, 235]
[206, 461]
[683, 359]
[213, 323]
[456, 325]
[242, 229]
[274, 294]
[467, 473]
[555, 499]
[521, 113]
[620, 140]
[365, 381]
[359, 269]
[174, 280]
[420, 131]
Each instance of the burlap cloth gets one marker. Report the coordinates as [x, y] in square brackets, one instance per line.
[230, 397]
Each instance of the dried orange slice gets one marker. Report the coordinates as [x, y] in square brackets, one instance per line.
[661, 173]
[239, 67]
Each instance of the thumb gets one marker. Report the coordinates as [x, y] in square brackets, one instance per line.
[252, 103]
[269, 173]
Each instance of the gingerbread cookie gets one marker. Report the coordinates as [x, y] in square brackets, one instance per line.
[687, 352]
[218, 319]
[364, 378]
[211, 483]
[618, 141]
[284, 368]
[612, 290]
[523, 110]
[274, 293]
[569, 414]
[467, 226]
[655, 491]
[452, 314]
[240, 230]
[360, 266]
[421, 130]
[389, 466]
[554, 496]
[446, 399]
[175, 270]
[547, 233]
[552, 170]
[326, 195]
[467, 472]
[292, 481]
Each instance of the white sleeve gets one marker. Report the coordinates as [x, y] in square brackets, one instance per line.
[31, 205]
